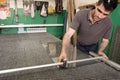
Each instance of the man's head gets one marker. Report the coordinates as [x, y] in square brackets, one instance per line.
[103, 8]
[109, 5]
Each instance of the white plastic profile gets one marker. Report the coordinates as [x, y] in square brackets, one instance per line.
[29, 25]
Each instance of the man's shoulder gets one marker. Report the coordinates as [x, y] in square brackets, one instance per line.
[83, 11]
[108, 20]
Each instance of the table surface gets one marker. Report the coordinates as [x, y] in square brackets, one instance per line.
[20, 50]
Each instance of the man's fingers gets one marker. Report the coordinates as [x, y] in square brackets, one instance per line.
[105, 57]
[60, 58]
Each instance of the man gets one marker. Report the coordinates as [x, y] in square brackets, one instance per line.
[91, 26]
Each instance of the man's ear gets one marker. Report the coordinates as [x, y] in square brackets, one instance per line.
[96, 4]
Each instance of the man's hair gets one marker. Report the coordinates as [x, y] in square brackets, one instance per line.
[109, 5]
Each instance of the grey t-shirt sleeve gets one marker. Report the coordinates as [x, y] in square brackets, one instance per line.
[108, 30]
[76, 21]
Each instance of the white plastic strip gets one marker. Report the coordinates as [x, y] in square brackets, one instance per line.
[29, 25]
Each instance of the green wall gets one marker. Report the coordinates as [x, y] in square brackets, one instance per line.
[50, 19]
[9, 21]
[115, 16]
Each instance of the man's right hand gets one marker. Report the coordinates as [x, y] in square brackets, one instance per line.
[62, 57]
[65, 43]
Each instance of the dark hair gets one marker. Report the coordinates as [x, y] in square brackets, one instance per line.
[109, 5]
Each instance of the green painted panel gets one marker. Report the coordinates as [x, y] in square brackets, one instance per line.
[9, 30]
[56, 31]
[9, 20]
[50, 19]
[115, 16]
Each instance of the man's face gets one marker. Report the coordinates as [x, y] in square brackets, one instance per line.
[100, 12]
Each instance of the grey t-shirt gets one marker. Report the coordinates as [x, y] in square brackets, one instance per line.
[88, 33]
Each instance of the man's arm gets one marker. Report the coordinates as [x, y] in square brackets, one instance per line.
[103, 45]
[65, 43]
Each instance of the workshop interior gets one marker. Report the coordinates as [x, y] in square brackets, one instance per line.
[31, 34]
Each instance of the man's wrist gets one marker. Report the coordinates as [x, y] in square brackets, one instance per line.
[100, 51]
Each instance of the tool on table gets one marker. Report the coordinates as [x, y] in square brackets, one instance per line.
[64, 63]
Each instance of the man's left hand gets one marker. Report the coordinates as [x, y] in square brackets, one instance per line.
[103, 54]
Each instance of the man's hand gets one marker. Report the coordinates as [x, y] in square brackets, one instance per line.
[103, 45]
[62, 57]
[102, 54]
[65, 43]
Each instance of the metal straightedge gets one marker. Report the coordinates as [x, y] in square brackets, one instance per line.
[45, 66]
[96, 57]
[109, 62]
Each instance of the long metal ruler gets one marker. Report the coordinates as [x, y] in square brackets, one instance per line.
[46, 65]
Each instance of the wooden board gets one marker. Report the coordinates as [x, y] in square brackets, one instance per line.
[72, 47]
